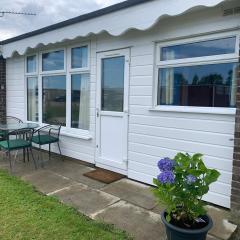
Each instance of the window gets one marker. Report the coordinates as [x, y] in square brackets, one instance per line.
[113, 84]
[80, 101]
[209, 82]
[53, 61]
[54, 99]
[60, 93]
[31, 64]
[199, 49]
[32, 99]
[79, 57]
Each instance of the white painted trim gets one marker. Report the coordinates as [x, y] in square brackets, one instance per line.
[200, 110]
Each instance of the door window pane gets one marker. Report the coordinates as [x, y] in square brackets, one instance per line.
[54, 99]
[199, 49]
[212, 85]
[53, 61]
[32, 99]
[79, 57]
[113, 84]
[80, 101]
[31, 64]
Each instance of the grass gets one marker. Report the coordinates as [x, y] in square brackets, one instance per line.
[26, 214]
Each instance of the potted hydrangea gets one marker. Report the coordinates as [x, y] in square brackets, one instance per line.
[181, 185]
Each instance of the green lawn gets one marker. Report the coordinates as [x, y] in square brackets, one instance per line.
[26, 214]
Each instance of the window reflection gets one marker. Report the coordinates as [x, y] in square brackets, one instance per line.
[53, 61]
[113, 84]
[212, 85]
[31, 64]
[80, 101]
[32, 99]
[199, 49]
[54, 99]
[79, 57]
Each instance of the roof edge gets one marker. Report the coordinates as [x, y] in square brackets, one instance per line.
[81, 18]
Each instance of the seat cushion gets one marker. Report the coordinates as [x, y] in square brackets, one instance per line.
[15, 144]
[44, 139]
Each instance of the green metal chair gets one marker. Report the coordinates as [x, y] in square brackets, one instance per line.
[16, 140]
[47, 135]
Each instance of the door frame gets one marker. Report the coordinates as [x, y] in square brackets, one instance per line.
[111, 54]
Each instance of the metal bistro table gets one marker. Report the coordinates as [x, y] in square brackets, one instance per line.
[17, 126]
[8, 127]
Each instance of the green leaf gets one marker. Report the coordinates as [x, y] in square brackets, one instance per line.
[168, 218]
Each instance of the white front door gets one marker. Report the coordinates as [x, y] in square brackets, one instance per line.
[112, 110]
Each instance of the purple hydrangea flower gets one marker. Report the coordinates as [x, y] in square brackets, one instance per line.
[166, 177]
[166, 164]
[191, 179]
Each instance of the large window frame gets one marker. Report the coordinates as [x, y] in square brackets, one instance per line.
[186, 62]
[67, 71]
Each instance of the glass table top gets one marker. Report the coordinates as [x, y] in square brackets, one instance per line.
[17, 126]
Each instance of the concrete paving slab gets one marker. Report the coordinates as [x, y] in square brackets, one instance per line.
[209, 237]
[75, 172]
[222, 228]
[87, 201]
[47, 181]
[138, 222]
[133, 192]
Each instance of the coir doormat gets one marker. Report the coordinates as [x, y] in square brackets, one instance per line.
[104, 176]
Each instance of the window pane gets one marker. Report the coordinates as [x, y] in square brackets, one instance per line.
[53, 61]
[206, 85]
[32, 99]
[79, 57]
[199, 49]
[31, 64]
[54, 99]
[80, 101]
[113, 84]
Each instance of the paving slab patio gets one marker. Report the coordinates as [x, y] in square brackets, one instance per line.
[127, 204]
[140, 223]
[47, 181]
[133, 192]
[86, 200]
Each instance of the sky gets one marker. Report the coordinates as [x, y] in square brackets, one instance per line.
[48, 12]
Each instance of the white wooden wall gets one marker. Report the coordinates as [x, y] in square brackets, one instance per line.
[152, 135]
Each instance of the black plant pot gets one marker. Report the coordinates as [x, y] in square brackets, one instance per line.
[177, 233]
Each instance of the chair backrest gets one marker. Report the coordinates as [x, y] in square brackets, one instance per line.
[11, 119]
[51, 129]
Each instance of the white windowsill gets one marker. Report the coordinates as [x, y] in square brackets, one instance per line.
[206, 110]
[84, 136]
[81, 134]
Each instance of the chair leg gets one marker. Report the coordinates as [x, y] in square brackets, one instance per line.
[42, 162]
[49, 151]
[28, 154]
[24, 155]
[34, 160]
[60, 151]
[10, 161]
